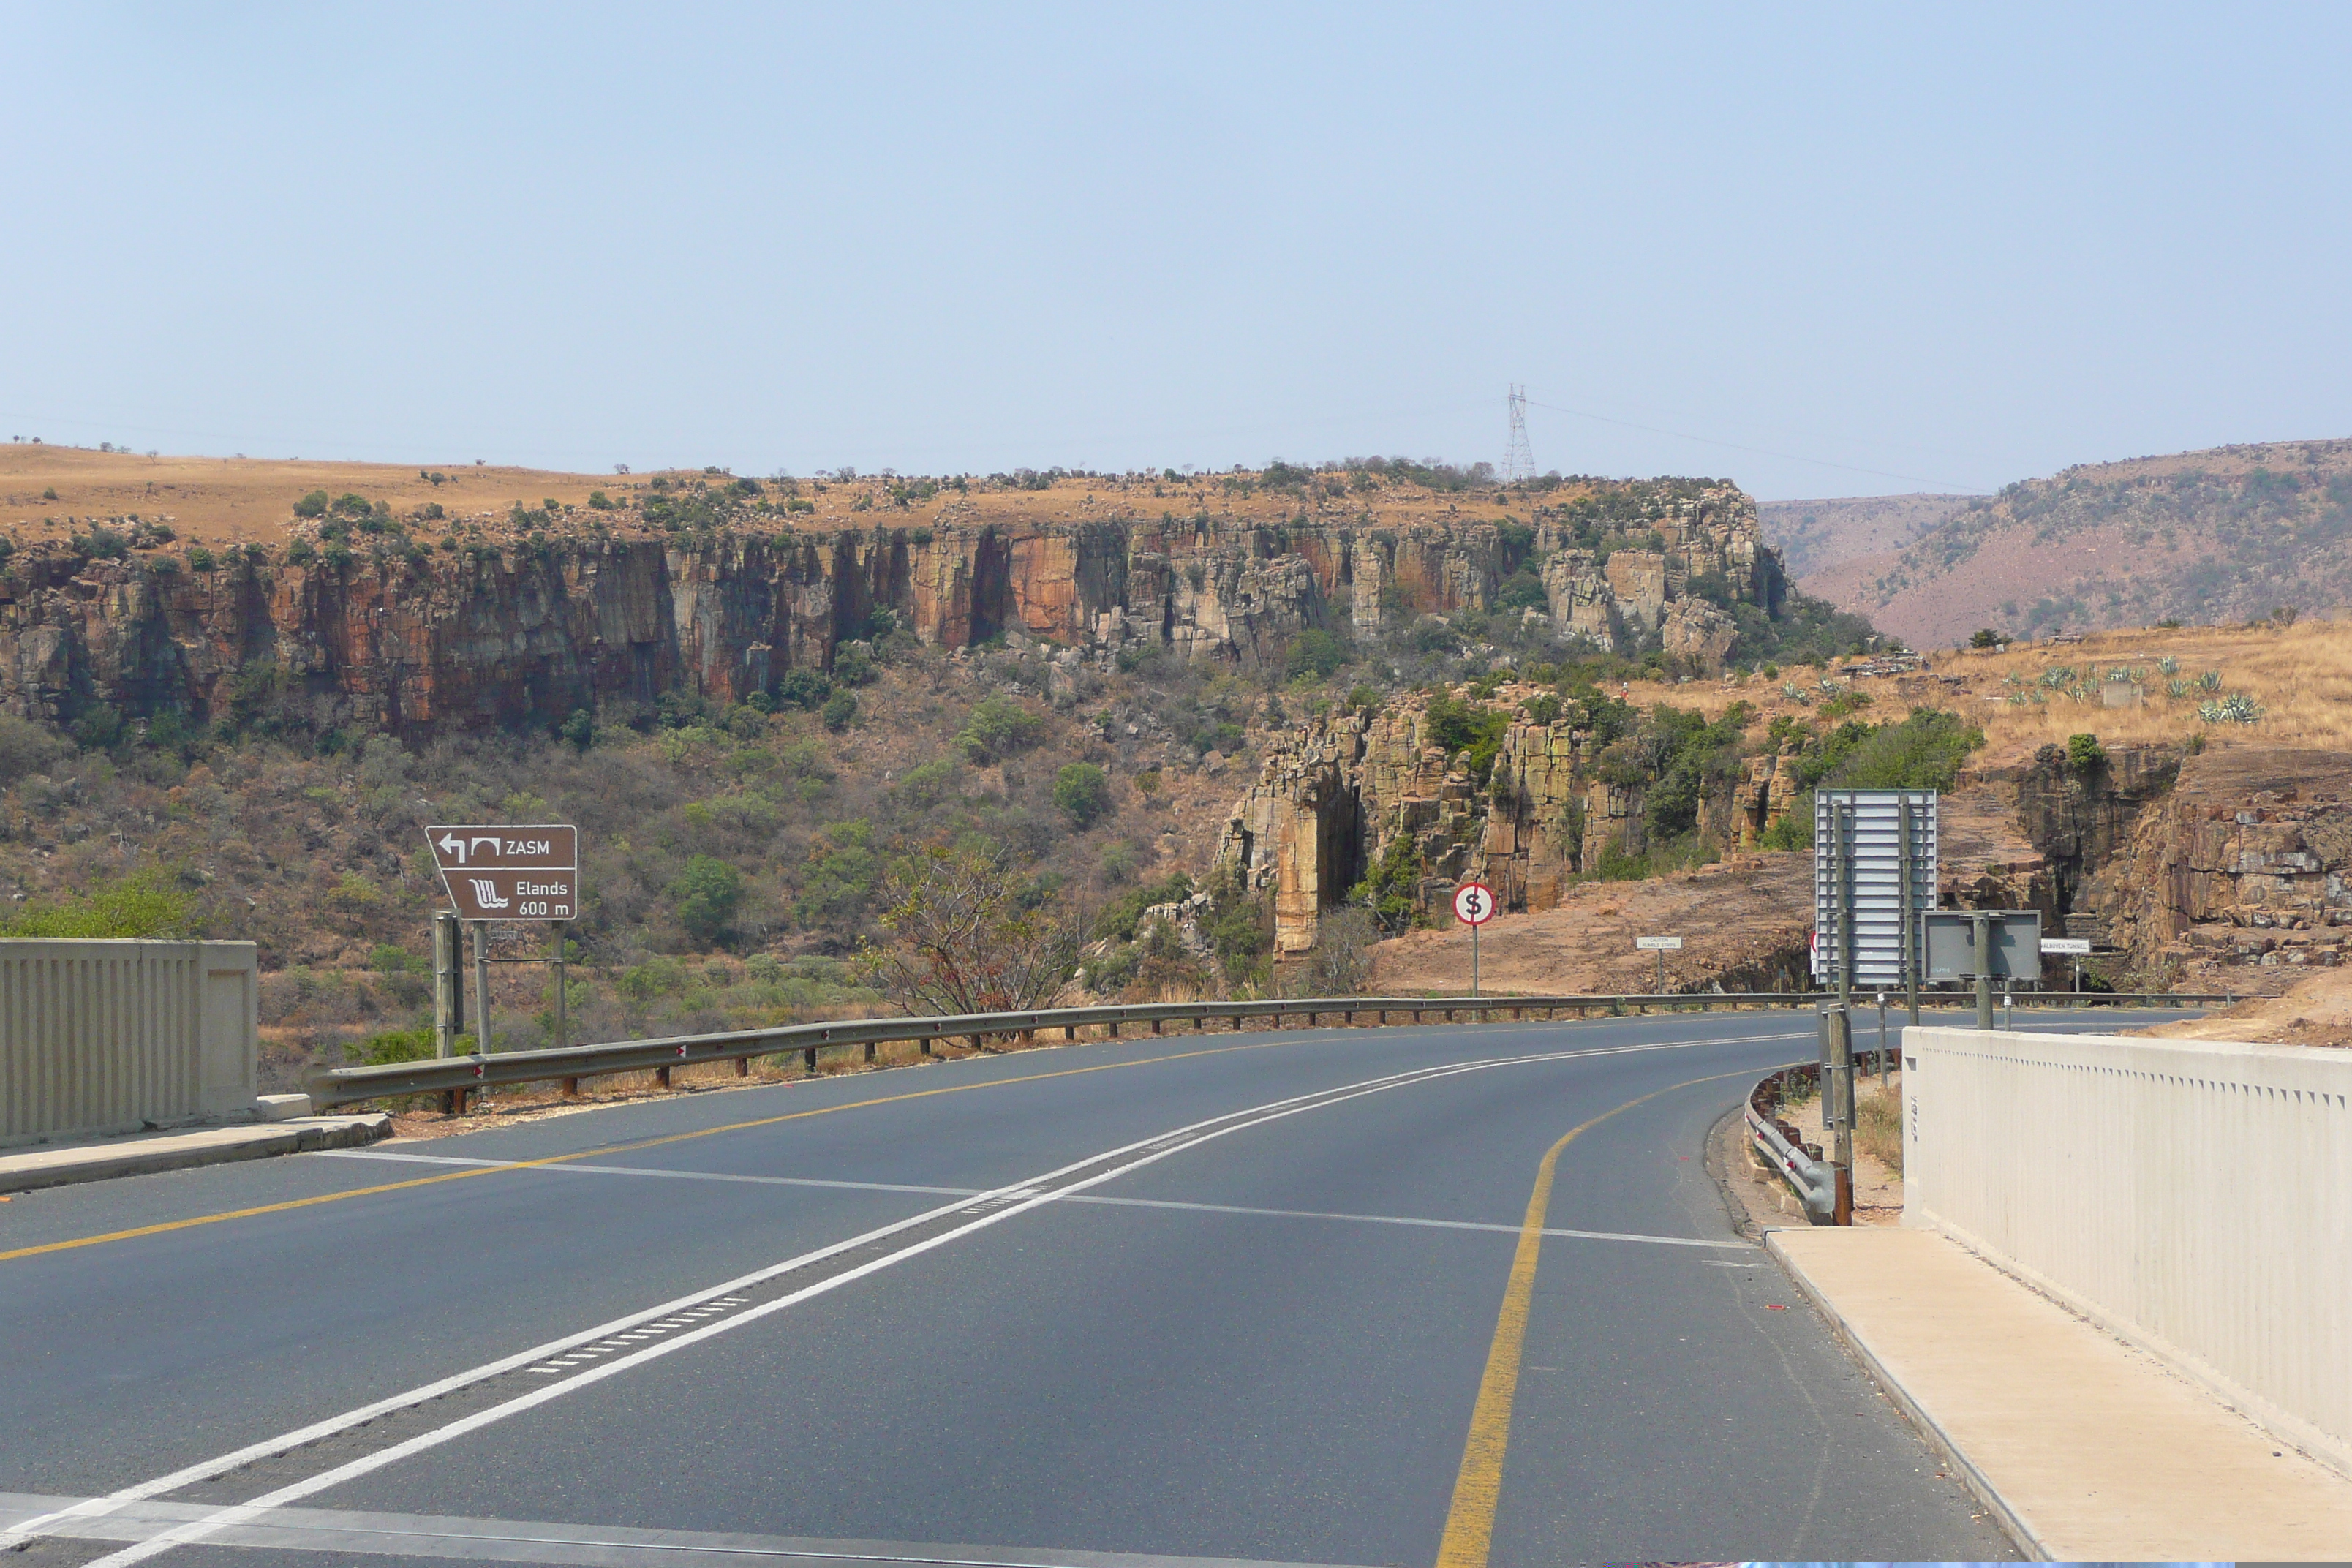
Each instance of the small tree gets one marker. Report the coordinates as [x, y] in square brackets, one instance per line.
[707, 892]
[1082, 792]
[971, 934]
[1985, 636]
[838, 710]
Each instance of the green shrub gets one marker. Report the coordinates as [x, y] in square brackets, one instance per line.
[1313, 652]
[1392, 889]
[2084, 755]
[838, 710]
[580, 729]
[396, 1046]
[199, 558]
[999, 728]
[1082, 794]
[803, 688]
[706, 893]
[311, 505]
[143, 904]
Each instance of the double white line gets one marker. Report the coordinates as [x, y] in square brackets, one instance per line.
[986, 1209]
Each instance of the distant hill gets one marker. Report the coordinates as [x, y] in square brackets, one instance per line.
[2208, 537]
[1815, 535]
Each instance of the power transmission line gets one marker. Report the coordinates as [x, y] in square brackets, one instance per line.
[1518, 458]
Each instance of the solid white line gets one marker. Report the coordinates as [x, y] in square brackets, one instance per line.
[1276, 1110]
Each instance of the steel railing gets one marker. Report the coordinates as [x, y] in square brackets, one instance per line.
[458, 1077]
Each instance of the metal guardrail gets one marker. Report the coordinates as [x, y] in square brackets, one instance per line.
[460, 1076]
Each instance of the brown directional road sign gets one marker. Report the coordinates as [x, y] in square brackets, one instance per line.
[510, 871]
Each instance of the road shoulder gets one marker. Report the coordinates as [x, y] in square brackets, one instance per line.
[58, 1165]
[2085, 1449]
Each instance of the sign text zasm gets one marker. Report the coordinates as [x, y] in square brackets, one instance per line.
[499, 871]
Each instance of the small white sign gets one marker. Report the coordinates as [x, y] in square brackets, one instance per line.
[1659, 943]
[2065, 944]
[1473, 903]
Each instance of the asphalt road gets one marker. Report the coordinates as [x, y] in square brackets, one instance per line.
[1043, 1324]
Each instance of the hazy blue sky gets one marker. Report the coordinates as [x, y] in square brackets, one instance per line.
[1961, 245]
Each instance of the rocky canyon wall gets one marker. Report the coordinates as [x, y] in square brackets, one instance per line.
[407, 639]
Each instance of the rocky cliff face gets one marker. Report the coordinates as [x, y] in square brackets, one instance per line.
[1333, 796]
[2244, 866]
[405, 639]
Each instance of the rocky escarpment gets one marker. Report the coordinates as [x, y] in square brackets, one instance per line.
[391, 636]
[2244, 866]
[1335, 796]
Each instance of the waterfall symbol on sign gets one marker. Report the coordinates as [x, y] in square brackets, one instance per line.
[486, 893]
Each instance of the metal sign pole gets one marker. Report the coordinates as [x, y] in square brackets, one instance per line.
[562, 1036]
[449, 985]
[1474, 961]
[1841, 819]
[1911, 942]
[482, 987]
[1980, 928]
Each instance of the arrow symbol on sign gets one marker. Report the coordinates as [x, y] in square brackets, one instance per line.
[451, 845]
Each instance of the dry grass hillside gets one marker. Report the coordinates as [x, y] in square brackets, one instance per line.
[1813, 536]
[2208, 537]
[47, 490]
[2298, 679]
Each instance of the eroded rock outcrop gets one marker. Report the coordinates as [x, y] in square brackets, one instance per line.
[391, 636]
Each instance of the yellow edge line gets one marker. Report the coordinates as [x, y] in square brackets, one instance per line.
[1479, 1485]
[48, 1246]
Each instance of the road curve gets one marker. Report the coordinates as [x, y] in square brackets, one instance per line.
[1293, 1297]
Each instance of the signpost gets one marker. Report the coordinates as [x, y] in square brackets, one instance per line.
[1661, 945]
[1474, 906]
[1874, 871]
[1982, 945]
[499, 871]
[2074, 947]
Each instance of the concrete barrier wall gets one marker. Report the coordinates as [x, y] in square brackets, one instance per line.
[104, 1036]
[2194, 1196]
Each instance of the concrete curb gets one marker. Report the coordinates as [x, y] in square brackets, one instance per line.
[58, 1167]
[2004, 1513]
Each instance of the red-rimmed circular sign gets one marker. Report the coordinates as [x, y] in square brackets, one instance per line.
[1473, 903]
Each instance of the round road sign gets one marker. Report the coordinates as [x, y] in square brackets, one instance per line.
[1473, 903]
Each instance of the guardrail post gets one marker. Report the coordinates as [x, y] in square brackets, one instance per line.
[743, 1067]
[924, 1044]
[869, 1050]
[976, 1043]
[570, 1088]
[1069, 1031]
[661, 1076]
[1155, 1026]
[808, 1058]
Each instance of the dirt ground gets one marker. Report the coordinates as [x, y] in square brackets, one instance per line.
[1737, 917]
[2316, 1012]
